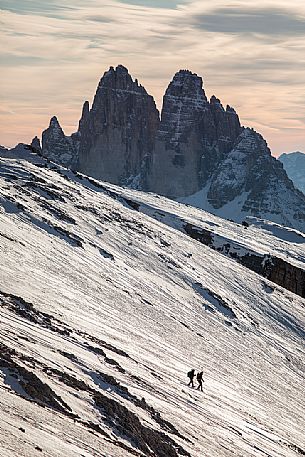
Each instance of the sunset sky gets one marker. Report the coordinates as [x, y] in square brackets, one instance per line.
[251, 55]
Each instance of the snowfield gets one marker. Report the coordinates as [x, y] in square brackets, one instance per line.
[106, 303]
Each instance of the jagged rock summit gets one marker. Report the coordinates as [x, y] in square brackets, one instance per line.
[197, 152]
[117, 134]
[194, 135]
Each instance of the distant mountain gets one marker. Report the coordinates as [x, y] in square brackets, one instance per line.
[294, 164]
[197, 152]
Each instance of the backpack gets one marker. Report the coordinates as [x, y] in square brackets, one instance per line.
[190, 374]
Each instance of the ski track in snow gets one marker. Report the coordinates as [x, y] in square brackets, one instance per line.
[132, 283]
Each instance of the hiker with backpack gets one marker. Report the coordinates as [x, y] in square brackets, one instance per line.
[199, 380]
[191, 375]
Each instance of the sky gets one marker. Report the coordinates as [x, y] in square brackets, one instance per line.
[251, 55]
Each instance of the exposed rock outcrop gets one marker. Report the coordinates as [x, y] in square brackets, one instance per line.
[3, 151]
[240, 170]
[273, 268]
[28, 384]
[249, 170]
[21, 151]
[35, 144]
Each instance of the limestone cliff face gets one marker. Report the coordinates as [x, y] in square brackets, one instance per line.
[194, 135]
[117, 135]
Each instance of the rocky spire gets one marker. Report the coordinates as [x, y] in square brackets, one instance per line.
[85, 114]
[117, 135]
[226, 122]
[216, 104]
[56, 146]
[194, 135]
[187, 85]
[75, 137]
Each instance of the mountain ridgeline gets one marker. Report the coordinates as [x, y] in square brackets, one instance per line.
[197, 152]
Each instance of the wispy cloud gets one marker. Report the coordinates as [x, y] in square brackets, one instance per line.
[252, 21]
[155, 3]
[50, 8]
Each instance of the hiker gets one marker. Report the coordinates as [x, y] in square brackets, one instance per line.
[191, 375]
[199, 380]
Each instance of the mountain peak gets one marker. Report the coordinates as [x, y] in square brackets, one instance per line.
[216, 103]
[121, 69]
[117, 69]
[188, 85]
[230, 109]
[56, 146]
[186, 74]
[85, 109]
[54, 122]
[119, 79]
[118, 133]
[294, 165]
[253, 141]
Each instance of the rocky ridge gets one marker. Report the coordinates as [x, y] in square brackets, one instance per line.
[249, 170]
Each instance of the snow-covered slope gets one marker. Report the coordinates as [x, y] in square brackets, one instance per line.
[104, 309]
[271, 250]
